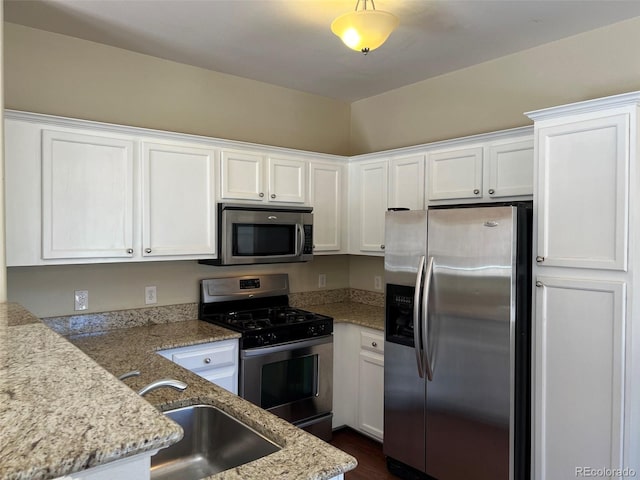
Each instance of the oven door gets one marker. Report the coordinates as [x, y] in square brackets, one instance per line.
[265, 235]
[291, 380]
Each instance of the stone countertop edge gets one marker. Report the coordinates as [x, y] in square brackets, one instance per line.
[50, 426]
[302, 456]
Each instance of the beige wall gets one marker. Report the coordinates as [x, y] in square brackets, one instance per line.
[363, 270]
[493, 95]
[60, 75]
[48, 291]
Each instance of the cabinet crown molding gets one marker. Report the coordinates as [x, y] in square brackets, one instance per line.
[586, 106]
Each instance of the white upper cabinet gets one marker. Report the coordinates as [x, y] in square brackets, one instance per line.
[509, 172]
[327, 191]
[494, 170]
[582, 193]
[262, 178]
[455, 174]
[241, 176]
[287, 180]
[406, 182]
[178, 201]
[87, 196]
[370, 181]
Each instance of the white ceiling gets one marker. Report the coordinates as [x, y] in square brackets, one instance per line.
[289, 42]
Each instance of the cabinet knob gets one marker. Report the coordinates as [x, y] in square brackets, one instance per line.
[207, 360]
[130, 251]
[476, 191]
[374, 344]
[273, 195]
[539, 284]
[261, 194]
[381, 247]
[147, 250]
[491, 191]
[539, 259]
[313, 247]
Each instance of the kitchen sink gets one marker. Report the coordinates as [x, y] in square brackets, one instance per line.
[213, 442]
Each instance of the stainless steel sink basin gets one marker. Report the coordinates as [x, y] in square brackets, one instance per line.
[213, 442]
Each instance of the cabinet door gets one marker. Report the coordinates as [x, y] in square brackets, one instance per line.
[87, 196]
[582, 192]
[345, 372]
[455, 174]
[325, 193]
[241, 175]
[406, 182]
[510, 169]
[287, 180]
[580, 353]
[373, 204]
[178, 214]
[371, 394]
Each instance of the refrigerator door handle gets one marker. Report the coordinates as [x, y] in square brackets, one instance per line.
[416, 317]
[425, 320]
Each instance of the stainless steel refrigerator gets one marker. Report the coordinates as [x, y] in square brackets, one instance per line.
[457, 342]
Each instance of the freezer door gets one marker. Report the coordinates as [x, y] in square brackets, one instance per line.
[404, 388]
[404, 401]
[404, 243]
[470, 332]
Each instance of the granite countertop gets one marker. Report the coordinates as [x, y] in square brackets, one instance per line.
[52, 395]
[352, 312]
[60, 412]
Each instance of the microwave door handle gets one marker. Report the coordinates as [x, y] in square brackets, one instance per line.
[428, 364]
[416, 317]
[301, 239]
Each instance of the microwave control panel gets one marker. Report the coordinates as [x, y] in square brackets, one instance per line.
[308, 240]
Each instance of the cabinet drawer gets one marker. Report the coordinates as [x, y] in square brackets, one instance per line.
[208, 355]
[372, 341]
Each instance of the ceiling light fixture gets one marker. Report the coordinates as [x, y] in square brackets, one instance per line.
[364, 30]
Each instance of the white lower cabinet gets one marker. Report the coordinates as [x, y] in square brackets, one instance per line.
[216, 362]
[371, 383]
[358, 390]
[579, 377]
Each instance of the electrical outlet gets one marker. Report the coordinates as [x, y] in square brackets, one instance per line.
[322, 280]
[150, 295]
[81, 299]
[377, 282]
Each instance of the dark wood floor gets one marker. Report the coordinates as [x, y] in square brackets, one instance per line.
[371, 461]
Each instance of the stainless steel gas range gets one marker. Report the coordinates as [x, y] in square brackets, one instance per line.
[286, 354]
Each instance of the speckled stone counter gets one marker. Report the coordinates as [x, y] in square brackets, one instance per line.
[353, 312]
[60, 412]
[303, 456]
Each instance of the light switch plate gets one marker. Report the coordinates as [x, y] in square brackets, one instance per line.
[377, 282]
[322, 280]
[80, 299]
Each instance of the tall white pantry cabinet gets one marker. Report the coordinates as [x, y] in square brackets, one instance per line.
[586, 370]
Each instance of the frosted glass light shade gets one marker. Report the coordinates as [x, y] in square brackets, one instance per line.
[364, 30]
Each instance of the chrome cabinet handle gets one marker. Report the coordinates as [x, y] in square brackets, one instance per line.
[130, 251]
[476, 191]
[273, 195]
[147, 250]
[261, 194]
[374, 344]
[207, 360]
[539, 259]
[491, 191]
[539, 284]
[381, 247]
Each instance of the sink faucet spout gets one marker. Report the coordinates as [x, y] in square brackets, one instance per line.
[165, 382]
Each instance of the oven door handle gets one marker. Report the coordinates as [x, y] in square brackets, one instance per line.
[283, 347]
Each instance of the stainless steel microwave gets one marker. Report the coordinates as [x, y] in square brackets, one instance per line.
[249, 234]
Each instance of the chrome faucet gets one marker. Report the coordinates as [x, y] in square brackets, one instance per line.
[165, 382]
[133, 373]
